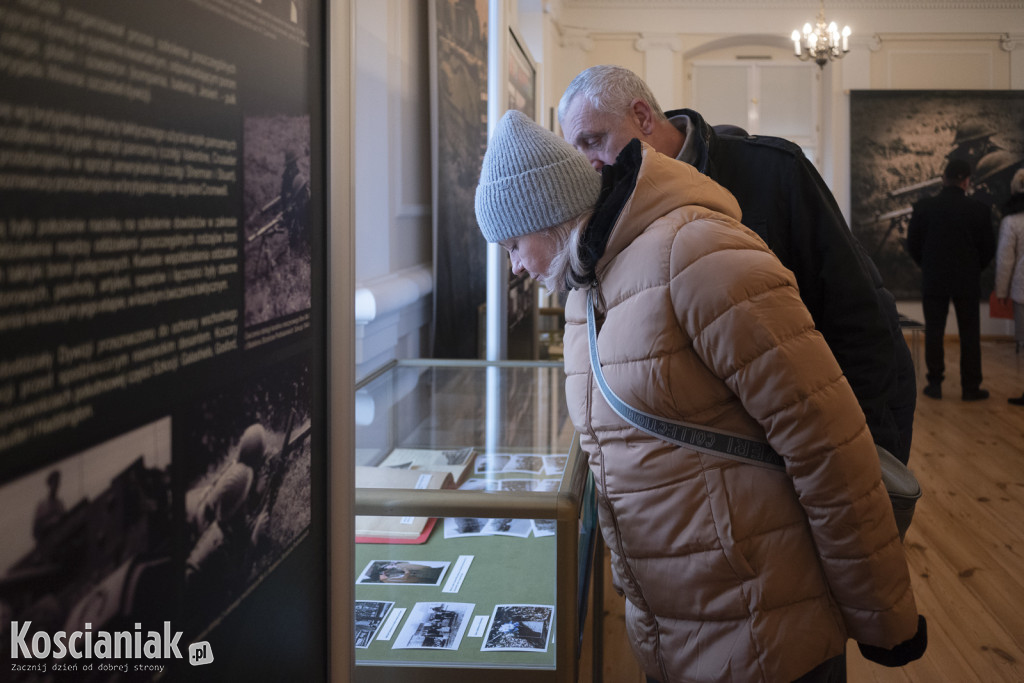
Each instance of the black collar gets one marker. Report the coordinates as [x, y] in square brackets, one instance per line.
[618, 181]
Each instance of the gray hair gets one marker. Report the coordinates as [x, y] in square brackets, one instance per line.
[609, 89]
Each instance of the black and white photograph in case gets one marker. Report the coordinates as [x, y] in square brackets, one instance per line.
[87, 540]
[547, 484]
[404, 572]
[457, 461]
[435, 626]
[526, 484]
[480, 485]
[370, 616]
[555, 464]
[522, 462]
[512, 462]
[544, 527]
[458, 527]
[490, 462]
[524, 628]
[277, 224]
[244, 456]
[519, 484]
[900, 142]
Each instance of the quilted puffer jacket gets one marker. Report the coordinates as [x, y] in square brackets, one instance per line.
[1010, 253]
[731, 571]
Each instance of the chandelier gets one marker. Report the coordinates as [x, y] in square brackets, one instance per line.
[822, 42]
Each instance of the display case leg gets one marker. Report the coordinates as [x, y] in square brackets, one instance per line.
[596, 654]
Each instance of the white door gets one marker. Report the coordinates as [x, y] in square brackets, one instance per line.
[764, 97]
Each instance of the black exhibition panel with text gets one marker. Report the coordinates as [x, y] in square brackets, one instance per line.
[162, 440]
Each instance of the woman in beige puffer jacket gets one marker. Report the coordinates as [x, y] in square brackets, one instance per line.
[731, 571]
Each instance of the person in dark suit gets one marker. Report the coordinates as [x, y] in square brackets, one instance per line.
[950, 237]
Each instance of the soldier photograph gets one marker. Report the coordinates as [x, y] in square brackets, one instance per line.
[277, 224]
[435, 625]
[87, 541]
[245, 459]
[519, 627]
[900, 142]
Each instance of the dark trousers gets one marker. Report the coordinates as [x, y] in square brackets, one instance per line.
[829, 671]
[966, 307]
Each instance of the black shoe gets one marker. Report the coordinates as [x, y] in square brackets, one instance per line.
[933, 391]
[1016, 401]
[975, 394]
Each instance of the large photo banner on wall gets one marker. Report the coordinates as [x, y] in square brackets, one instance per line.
[458, 76]
[900, 142]
[161, 339]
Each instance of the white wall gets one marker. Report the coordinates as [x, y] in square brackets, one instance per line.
[394, 276]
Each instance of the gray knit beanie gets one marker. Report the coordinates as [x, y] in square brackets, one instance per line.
[531, 180]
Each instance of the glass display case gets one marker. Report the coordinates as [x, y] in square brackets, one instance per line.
[475, 525]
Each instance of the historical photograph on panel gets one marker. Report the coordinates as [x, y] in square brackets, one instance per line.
[370, 615]
[519, 627]
[522, 78]
[404, 572]
[900, 142]
[87, 540]
[459, 104]
[277, 223]
[244, 456]
[435, 626]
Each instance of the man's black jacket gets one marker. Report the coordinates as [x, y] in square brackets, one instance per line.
[786, 202]
[951, 237]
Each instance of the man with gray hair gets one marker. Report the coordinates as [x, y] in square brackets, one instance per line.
[786, 202]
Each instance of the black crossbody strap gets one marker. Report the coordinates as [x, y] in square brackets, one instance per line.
[693, 436]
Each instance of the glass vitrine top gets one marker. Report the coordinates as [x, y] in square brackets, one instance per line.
[495, 426]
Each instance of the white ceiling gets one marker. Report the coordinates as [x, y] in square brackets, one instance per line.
[796, 4]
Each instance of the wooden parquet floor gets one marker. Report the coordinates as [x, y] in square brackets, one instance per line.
[965, 547]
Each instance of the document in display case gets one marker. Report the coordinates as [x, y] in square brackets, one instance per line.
[496, 582]
[390, 529]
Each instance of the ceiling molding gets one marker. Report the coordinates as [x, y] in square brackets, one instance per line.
[930, 5]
